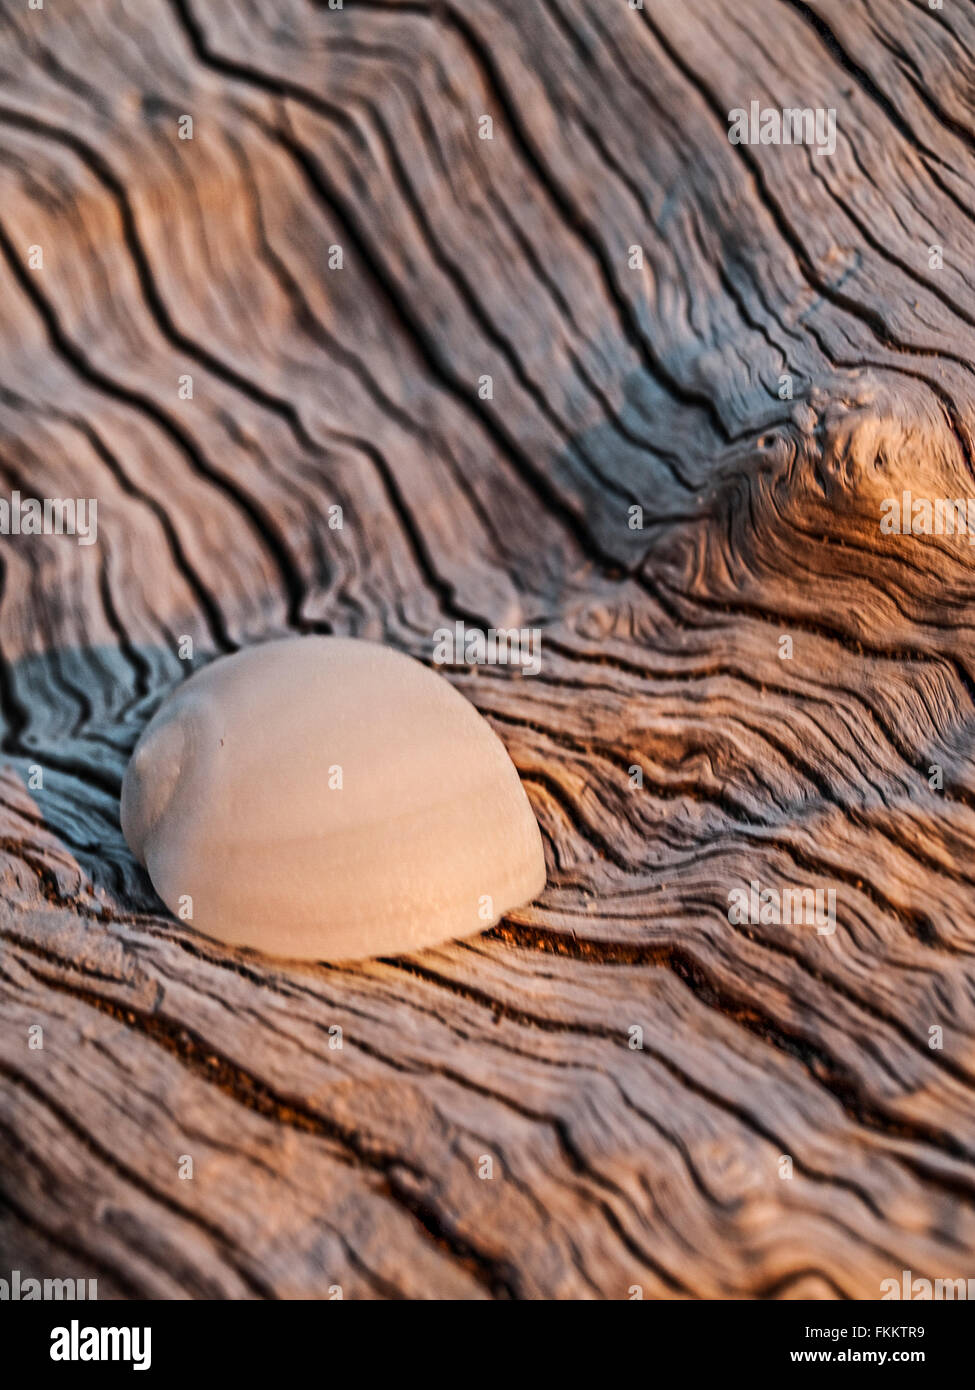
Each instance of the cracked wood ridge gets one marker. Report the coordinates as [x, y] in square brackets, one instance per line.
[313, 387]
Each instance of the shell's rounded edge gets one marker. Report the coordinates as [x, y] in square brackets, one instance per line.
[530, 874]
[537, 881]
[155, 769]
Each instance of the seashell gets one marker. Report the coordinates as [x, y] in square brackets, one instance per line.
[325, 798]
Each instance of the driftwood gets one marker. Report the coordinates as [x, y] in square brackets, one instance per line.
[765, 1048]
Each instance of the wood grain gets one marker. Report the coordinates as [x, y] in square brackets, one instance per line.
[317, 1167]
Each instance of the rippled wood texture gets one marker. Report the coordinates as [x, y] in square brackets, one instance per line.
[313, 387]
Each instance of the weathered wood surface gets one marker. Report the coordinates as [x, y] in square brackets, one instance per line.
[613, 1167]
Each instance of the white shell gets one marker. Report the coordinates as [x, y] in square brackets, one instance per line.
[228, 803]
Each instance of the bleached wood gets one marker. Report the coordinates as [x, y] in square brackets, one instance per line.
[313, 128]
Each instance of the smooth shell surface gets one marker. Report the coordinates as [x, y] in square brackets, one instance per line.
[232, 802]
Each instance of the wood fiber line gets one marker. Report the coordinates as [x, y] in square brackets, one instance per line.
[613, 388]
